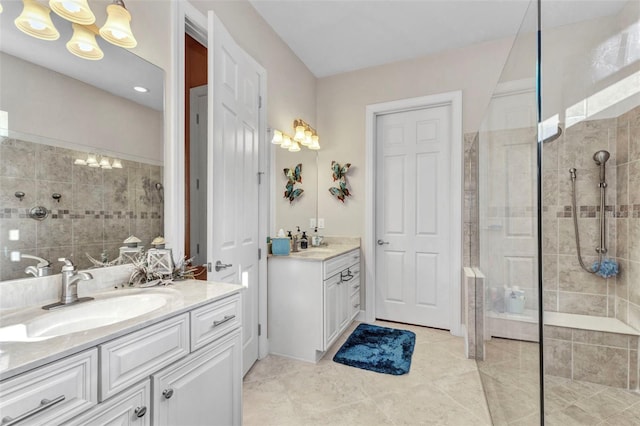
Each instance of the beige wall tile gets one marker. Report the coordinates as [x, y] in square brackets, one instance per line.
[584, 304]
[557, 357]
[600, 364]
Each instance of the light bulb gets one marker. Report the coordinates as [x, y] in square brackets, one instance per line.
[294, 147]
[299, 136]
[277, 137]
[286, 142]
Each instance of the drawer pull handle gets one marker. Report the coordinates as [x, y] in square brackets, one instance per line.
[167, 393]
[346, 276]
[44, 404]
[140, 411]
[223, 320]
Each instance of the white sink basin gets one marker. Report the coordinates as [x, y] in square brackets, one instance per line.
[313, 252]
[107, 308]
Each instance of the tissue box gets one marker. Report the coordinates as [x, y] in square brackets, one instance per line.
[280, 246]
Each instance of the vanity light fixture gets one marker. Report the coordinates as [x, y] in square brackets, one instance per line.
[117, 29]
[77, 11]
[35, 20]
[304, 135]
[83, 43]
[103, 162]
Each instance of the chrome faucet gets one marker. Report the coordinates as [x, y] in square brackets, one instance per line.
[70, 279]
[42, 269]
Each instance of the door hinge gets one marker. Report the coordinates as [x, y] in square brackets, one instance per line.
[208, 266]
[259, 253]
[260, 177]
[197, 183]
[259, 101]
[198, 248]
[259, 329]
[197, 118]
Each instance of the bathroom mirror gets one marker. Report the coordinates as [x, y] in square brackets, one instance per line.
[300, 211]
[56, 108]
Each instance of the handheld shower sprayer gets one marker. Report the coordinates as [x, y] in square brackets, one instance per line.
[601, 158]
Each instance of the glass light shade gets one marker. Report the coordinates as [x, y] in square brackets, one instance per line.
[35, 20]
[315, 142]
[117, 164]
[299, 136]
[117, 29]
[104, 162]
[0, 7]
[94, 165]
[77, 11]
[277, 137]
[107, 167]
[83, 44]
[91, 159]
[294, 147]
[286, 142]
[80, 162]
[307, 138]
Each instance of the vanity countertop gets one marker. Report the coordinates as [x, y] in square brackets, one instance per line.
[18, 357]
[321, 253]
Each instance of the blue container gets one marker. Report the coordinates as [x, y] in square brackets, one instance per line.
[280, 246]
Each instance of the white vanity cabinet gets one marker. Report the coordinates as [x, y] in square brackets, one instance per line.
[311, 303]
[182, 370]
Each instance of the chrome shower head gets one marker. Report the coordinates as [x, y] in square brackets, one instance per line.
[601, 157]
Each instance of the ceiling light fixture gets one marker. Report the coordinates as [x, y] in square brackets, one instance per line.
[83, 43]
[77, 11]
[141, 89]
[304, 135]
[35, 20]
[117, 29]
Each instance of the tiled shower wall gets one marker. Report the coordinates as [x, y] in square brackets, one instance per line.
[628, 217]
[567, 288]
[98, 210]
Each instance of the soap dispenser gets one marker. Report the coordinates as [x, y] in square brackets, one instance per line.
[315, 239]
[304, 242]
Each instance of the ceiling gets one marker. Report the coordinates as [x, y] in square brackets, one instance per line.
[118, 72]
[336, 36]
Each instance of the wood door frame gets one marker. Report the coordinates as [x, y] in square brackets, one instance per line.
[453, 99]
[186, 16]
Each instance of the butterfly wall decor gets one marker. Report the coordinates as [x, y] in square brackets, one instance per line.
[293, 176]
[339, 173]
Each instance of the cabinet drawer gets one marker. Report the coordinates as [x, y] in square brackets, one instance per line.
[128, 359]
[214, 320]
[53, 393]
[131, 407]
[337, 264]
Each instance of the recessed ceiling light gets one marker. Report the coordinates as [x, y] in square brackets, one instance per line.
[141, 89]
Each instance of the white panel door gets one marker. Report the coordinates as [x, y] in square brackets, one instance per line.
[233, 193]
[413, 217]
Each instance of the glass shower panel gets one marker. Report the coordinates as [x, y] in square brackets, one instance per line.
[508, 237]
[591, 90]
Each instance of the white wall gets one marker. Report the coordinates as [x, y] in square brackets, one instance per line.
[45, 103]
[341, 114]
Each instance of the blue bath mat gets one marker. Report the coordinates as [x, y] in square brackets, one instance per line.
[380, 349]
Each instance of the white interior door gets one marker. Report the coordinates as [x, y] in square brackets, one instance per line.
[198, 174]
[233, 239]
[413, 217]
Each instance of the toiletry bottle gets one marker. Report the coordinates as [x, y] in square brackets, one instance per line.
[315, 240]
[304, 243]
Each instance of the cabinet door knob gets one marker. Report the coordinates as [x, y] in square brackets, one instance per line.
[140, 411]
[167, 393]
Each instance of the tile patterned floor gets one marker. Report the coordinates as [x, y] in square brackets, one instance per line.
[510, 380]
[442, 388]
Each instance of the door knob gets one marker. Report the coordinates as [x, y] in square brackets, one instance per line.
[219, 265]
[381, 242]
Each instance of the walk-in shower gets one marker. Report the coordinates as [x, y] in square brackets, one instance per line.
[572, 352]
[603, 267]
